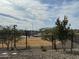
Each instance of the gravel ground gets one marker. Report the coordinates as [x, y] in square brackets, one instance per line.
[38, 54]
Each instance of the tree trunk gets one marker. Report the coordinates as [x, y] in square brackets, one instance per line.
[63, 46]
[14, 43]
[52, 42]
[71, 44]
[55, 47]
[14, 36]
[26, 41]
[11, 45]
[2, 44]
[8, 45]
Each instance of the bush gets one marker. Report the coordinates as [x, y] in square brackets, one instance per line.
[28, 47]
[43, 48]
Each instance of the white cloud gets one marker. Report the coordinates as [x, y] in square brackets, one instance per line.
[24, 9]
[70, 9]
[35, 12]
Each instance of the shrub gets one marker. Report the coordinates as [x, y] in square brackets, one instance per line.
[43, 48]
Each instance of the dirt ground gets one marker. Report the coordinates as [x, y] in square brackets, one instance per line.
[32, 41]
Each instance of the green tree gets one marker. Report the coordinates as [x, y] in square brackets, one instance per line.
[62, 31]
[16, 35]
[6, 35]
[49, 34]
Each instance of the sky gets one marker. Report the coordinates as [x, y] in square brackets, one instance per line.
[36, 14]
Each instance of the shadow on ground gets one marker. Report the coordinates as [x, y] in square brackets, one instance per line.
[73, 52]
